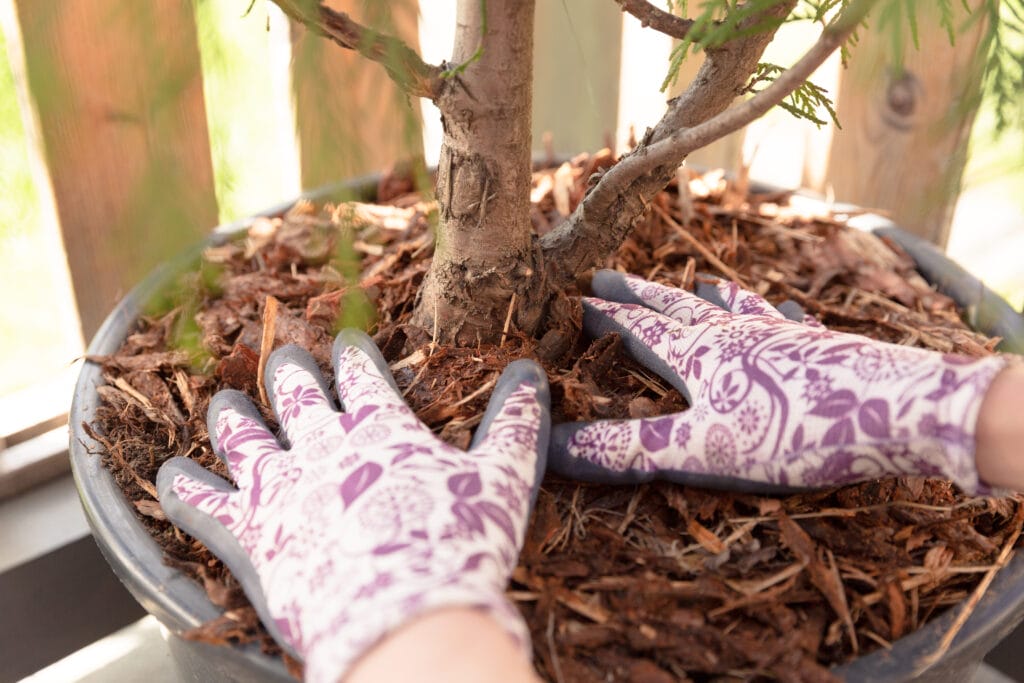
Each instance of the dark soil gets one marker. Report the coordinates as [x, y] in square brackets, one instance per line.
[651, 583]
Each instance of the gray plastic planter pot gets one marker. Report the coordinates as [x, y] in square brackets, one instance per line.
[181, 604]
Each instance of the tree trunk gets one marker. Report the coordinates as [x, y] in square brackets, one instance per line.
[486, 260]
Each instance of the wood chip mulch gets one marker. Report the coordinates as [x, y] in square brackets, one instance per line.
[651, 583]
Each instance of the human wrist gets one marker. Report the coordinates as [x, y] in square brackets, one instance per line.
[433, 647]
[999, 438]
[339, 647]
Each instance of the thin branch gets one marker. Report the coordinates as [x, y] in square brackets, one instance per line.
[723, 75]
[611, 209]
[658, 19]
[675, 147]
[402, 63]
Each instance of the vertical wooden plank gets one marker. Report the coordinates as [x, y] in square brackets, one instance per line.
[118, 96]
[903, 144]
[350, 118]
[575, 74]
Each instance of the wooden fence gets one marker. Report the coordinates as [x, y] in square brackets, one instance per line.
[112, 97]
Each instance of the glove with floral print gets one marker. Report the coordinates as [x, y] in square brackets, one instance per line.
[775, 404]
[358, 521]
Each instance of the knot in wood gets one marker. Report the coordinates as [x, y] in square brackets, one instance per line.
[902, 98]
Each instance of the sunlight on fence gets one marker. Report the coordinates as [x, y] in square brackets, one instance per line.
[39, 334]
[252, 139]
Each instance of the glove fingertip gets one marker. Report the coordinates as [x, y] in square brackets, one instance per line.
[791, 310]
[193, 472]
[165, 478]
[518, 412]
[296, 356]
[227, 399]
[212, 527]
[711, 294]
[612, 285]
[183, 487]
[525, 371]
[351, 337]
[566, 464]
[599, 317]
[516, 374]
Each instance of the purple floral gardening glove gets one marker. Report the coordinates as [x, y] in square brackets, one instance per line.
[775, 404]
[358, 521]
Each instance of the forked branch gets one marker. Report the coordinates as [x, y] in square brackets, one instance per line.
[402, 63]
[675, 147]
[619, 198]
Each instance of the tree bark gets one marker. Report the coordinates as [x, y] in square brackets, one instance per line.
[488, 267]
[486, 260]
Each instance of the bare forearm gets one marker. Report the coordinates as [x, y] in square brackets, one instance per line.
[452, 645]
[999, 453]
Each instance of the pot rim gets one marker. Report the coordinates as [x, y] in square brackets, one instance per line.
[180, 603]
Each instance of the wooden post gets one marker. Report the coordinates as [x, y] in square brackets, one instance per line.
[350, 118]
[117, 92]
[903, 144]
[576, 46]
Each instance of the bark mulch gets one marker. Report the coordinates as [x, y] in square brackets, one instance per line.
[650, 583]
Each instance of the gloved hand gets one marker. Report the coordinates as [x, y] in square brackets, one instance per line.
[775, 405]
[358, 521]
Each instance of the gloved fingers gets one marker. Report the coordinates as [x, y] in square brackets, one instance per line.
[678, 304]
[517, 422]
[791, 310]
[206, 507]
[611, 451]
[638, 451]
[646, 334]
[788, 309]
[297, 392]
[735, 299]
[238, 434]
[363, 379]
[194, 498]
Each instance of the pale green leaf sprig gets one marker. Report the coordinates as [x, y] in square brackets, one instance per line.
[824, 12]
[1004, 67]
[817, 11]
[716, 23]
[804, 103]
